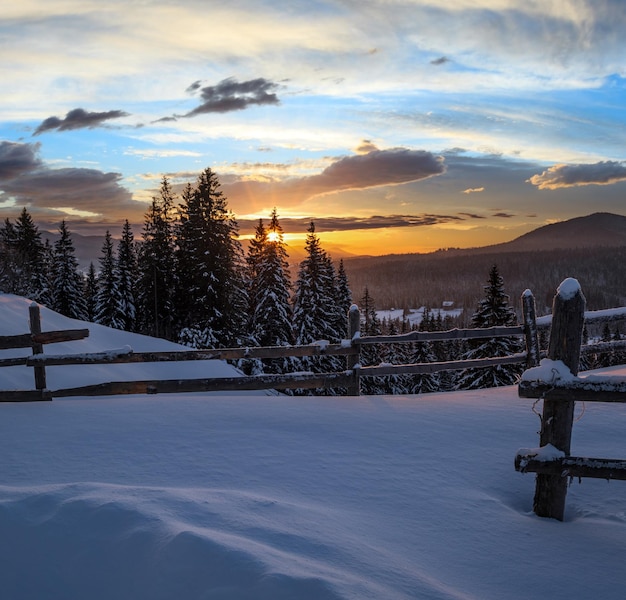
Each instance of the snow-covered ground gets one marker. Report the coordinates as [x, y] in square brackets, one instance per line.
[273, 498]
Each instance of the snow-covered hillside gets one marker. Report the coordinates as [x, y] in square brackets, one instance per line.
[274, 498]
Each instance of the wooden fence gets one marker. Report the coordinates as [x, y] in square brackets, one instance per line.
[348, 378]
[559, 387]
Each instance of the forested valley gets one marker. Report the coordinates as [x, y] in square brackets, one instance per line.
[414, 280]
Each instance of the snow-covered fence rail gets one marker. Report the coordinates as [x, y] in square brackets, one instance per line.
[350, 348]
[556, 381]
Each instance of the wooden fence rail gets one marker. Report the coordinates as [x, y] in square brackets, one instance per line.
[350, 349]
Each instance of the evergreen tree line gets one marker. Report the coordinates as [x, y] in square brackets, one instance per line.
[188, 279]
[493, 310]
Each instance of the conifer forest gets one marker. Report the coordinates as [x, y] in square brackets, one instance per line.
[187, 278]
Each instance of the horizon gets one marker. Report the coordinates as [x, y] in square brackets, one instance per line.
[398, 128]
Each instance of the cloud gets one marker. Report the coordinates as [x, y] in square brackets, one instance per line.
[562, 176]
[26, 181]
[326, 224]
[365, 147]
[378, 168]
[78, 119]
[17, 159]
[230, 95]
[473, 190]
[442, 60]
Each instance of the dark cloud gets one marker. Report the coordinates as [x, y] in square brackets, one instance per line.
[442, 60]
[16, 159]
[325, 224]
[376, 168]
[230, 95]
[26, 180]
[194, 87]
[562, 176]
[503, 215]
[365, 146]
[78, 119]
[472, 215]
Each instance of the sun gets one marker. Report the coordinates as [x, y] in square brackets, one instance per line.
[273, 236]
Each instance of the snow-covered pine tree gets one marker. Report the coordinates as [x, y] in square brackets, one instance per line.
[396, 354]
[211, 266]
[313, 303]
[343, 301]
[126, 275]
[109, 310]
[157, 274]
[270, 292]
[423, 352]
[91, 290]
[67, 289]
[371, 354]
[33, 281]
[22, 269]
[492, 311]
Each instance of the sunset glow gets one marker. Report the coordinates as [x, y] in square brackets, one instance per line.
[402, 126]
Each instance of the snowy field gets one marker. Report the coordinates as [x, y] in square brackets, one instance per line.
[263, 497]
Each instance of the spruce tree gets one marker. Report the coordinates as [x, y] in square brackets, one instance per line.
[371, 354]
[67, 290]
[343, 301]
[157, 271]
[492, 311]
[29, 249]
[91, 290]
[313, 305]
[270, 292]
[211, 267]
[108, 299]
[126, 275]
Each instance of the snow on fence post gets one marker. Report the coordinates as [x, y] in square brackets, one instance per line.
[530, 329]
[35, 327]
[354, 360]
[568, 315]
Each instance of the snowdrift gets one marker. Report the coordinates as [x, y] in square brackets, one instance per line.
[275, 498]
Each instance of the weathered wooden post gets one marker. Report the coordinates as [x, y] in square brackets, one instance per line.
[35, 328]
[568, 316]
[354, 360]
[529, 314]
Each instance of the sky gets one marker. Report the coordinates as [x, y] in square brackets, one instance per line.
[395, 125]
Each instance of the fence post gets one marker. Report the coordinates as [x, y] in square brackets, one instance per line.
[568, 315]
[35, 327]
[354, 360]
[530, 329]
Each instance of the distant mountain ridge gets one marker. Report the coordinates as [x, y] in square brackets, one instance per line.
[591, 249]
[594, 230]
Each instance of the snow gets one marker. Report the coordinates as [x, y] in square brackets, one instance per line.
[548, 371]
[273, 497]
[569, 288]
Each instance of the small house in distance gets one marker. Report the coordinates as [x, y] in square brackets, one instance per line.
[448, 305]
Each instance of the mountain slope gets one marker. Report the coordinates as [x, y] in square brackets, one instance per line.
[595, 230]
